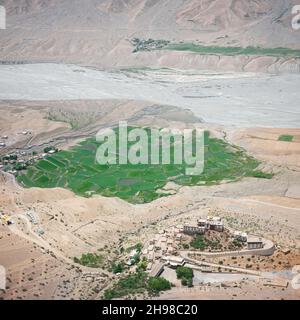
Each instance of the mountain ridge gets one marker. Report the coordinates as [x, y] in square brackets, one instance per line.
[98, 33]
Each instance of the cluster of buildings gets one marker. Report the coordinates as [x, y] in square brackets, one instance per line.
[164, 243]
[162, 250]
[216, 224]
[12, 163]
[203, 225]
[20, 160]
[32, 217]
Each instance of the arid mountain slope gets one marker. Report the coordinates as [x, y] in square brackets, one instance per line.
[97, 32]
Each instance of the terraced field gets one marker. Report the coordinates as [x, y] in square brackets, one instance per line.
[77, 170]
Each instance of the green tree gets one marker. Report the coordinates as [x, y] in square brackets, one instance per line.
[186, 275]
[157, 284]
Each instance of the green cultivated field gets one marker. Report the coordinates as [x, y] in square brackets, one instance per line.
[286, 137]
[232, 51]
[151, 45]
[78, 171]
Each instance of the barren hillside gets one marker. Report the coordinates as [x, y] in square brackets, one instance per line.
[98, 32]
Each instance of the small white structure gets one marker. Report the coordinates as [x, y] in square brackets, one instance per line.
[174, 261]
[178, 237]
[180, 228]
[32, 216]
[133, 253]
[130, 262]
[201, 223]
[240, 236]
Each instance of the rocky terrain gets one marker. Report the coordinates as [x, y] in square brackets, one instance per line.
[98, 33]
[69, 68]
[40, 265]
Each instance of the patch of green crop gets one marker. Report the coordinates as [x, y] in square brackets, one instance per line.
[77, 170]
[261, 174]
[286, 137]
[151, 44]
[232, 51]
[90, 260]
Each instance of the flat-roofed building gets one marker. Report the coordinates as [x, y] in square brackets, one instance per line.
[174, 261]
[201, 223]
[192, 230]
[254, 242]
[217, 226]
[180, 228]
[178, 237]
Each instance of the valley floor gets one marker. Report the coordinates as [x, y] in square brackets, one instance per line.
[39, 257]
